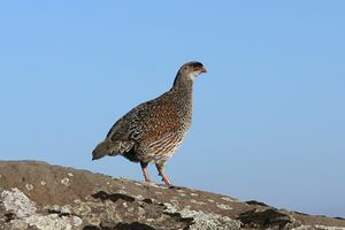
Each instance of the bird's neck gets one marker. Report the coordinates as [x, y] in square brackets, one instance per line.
[183, 83]
[182, 90]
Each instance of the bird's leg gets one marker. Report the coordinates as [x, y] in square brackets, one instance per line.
[145, 172]
[165, 178]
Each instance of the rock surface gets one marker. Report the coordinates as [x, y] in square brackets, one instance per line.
[36, 195]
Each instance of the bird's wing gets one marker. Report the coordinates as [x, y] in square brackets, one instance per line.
[150, 120]
[129, 124]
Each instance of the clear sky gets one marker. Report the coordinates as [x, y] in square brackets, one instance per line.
[269, 117]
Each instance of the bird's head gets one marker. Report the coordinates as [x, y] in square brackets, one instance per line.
[192, 69]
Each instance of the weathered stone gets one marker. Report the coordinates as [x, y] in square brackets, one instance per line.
[36, 195]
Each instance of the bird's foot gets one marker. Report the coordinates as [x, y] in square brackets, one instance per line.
[166, 181]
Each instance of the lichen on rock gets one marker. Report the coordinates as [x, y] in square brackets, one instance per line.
[18, 204]
[202, 220]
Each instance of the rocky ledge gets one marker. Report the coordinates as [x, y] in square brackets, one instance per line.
[36, 195]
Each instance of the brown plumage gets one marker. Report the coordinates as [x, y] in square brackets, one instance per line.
[152, 131]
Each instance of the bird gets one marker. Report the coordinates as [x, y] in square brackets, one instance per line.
[152, 131]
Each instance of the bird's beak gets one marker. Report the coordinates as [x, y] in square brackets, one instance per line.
[203, 70]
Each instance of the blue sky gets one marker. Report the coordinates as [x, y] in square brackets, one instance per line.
[269, 117]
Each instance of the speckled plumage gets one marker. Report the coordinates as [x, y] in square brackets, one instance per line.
[152, 131]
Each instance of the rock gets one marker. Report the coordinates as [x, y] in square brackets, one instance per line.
[36, 195]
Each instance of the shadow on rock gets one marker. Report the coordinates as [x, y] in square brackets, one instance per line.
[122, 226]
[269, 217]
[103, 196]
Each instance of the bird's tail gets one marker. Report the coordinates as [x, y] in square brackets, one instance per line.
[111, 148]
[101, 150]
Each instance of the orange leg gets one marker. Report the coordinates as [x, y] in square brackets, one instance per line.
[165, 178]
